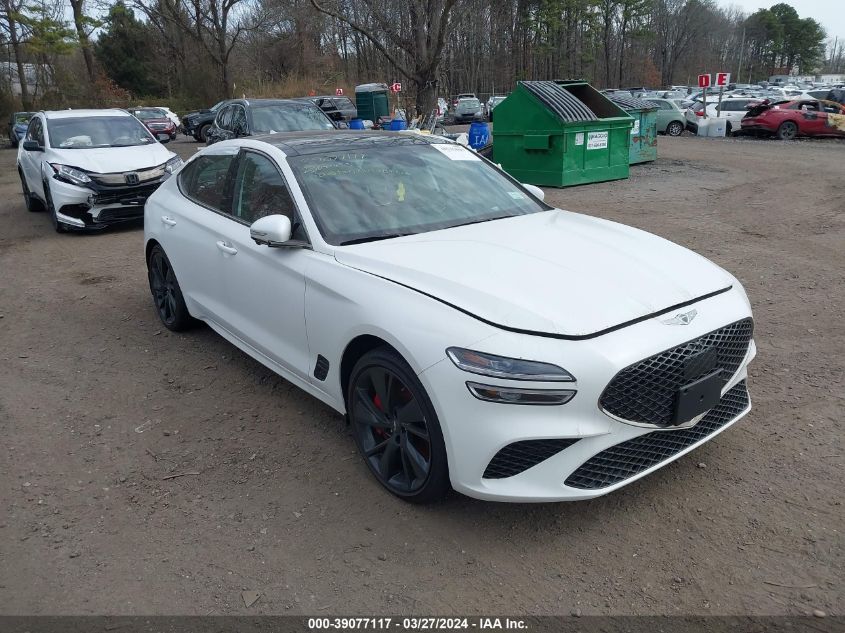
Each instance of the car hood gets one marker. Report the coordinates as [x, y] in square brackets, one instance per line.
[555, 272]
[104, 160]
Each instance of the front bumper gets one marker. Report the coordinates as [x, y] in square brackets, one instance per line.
[99, 206]
[476, 431]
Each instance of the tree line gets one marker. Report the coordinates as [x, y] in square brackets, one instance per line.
[191, 53]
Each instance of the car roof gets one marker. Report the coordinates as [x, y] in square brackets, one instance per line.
[318, 142]
[75, 114]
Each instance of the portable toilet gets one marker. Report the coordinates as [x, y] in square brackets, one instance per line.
[643, 147]
[561, 133]
[372, 101]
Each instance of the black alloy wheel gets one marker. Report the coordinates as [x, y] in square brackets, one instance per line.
[396, 429]
[203, 133]
[675, 129]
[32, 204]
[167, 295]
[787, 131]
[51, 209]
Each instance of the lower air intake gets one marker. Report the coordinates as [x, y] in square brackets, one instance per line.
[520, 456]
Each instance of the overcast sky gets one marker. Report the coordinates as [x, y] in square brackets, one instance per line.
[829, 13]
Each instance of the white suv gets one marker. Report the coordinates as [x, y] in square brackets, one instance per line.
[91, 168]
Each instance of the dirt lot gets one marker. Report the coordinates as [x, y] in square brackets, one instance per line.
[99, 405]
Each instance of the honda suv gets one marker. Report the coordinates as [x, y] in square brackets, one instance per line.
[91, 168]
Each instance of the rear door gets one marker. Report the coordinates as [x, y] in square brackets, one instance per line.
[193, 231]
[812, 118]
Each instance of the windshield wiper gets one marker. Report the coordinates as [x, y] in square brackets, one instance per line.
[373, 238]
[498, 217]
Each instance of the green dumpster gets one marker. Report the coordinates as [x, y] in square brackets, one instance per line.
[372, 101]
[644, 133]
[558, 134]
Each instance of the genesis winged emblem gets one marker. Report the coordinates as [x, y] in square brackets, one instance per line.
[682, 318]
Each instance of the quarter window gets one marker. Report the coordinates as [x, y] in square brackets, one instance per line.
[224, 119]
[260, 190]
[203, 180]
[239, 125]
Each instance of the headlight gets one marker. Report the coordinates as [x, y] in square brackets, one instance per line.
[172, 165]
[71, 174]
[507, 368]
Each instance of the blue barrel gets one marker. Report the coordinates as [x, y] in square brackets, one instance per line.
[398, 124]
[356, 124]
[479, 135]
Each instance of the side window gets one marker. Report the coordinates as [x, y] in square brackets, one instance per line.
[203, 180]
[239, 125]
[260, 190]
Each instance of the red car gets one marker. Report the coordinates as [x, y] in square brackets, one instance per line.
[156, 121]
[802, 117]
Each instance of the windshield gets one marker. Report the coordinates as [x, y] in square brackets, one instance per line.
[149, 114]
[383, 191]
[289, 117]
[22, 117]
[98, 131]
[469, 103]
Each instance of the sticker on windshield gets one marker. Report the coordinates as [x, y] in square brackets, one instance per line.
[596, 140]
[579, 138]
[455, 152]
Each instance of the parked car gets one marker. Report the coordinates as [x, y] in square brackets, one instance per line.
[492, 102]
[246, 117]
[170, 115]
[670, 117]
[156, 121]
[91, 168]
[18, 123]
[732, 110]
[198, 123]
[420, 308]
[790, 119]
[463, 95]
[336, 108]
[468, 110]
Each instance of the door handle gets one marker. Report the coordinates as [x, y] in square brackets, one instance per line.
[168, 221]
[227, 248]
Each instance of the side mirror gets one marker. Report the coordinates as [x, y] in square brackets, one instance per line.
[32, 146]
[535, 191]
[271, 230]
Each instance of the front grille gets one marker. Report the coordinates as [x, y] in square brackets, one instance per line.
[125, 195]
[627, 459]
[645, 392]
[520, 456]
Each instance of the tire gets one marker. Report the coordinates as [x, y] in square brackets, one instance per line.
[675, 128]
[31, 203]
[51, 209]
[167, 295]
[203, 131]
[396, 429]
[787, 131]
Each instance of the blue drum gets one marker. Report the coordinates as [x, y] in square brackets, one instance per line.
[479, 135]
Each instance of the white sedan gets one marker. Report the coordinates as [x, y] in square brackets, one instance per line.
[475, 337]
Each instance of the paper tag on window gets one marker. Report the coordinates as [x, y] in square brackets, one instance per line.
[455, 152]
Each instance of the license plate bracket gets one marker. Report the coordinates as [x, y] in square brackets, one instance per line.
[697, 397]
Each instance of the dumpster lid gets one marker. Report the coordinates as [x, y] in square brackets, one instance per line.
[371, 88]
[560, 101]
[630, 103]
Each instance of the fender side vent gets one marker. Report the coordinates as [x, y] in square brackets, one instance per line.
[321, 369]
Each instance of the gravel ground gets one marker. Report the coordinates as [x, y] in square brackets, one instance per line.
[99, 405]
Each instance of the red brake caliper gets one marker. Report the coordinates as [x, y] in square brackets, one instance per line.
[379, 431]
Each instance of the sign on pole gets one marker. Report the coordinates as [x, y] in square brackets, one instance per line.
[723, 79]
[704, 81]
[396, 87]
[338, 92]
